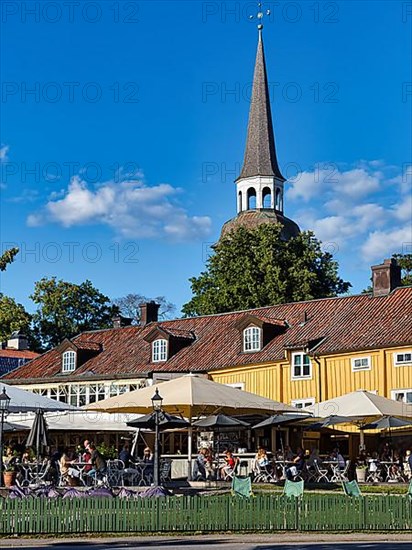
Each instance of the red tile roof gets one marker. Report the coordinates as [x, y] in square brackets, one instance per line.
[335, 325]
[19, 353]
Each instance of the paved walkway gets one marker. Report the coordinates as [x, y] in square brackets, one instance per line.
[244, 541]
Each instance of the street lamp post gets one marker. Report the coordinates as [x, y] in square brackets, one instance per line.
[4, 410]
[157, 401]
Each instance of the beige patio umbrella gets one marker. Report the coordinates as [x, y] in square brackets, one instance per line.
[361, 407]
[192, 396]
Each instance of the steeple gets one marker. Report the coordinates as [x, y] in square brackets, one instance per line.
[260, 153]
[260, 186]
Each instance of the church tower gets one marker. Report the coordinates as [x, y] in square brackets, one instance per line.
[260, 185]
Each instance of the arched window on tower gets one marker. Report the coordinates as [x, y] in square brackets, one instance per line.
[251, 199]
[267, 198]
[278, 203]
[239, 202]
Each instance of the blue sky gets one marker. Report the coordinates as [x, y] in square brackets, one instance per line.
[123, 126]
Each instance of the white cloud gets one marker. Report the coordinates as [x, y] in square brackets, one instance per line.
[4, 149]
[132, 209]
[403, 210]
[329, 179]
[382, 244]
[353, 208]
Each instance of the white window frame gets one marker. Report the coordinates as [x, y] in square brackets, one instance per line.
[394, 394]
[159, 350]
[398, 363]
[303, 403]
[254, 342]
[302, 376]
[69, 361]
[368, 365]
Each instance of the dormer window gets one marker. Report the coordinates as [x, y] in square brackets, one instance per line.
[69, 361]
[252, 339]
[159, 350]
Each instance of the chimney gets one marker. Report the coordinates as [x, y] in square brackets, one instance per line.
[119, 321]
[385, 277]
[149, 313]
[17, 341]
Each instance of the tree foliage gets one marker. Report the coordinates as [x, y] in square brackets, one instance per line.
[129, 306]
[405, 263]
[7, 258]
[13, 317]
[255, 267]
[66, 309]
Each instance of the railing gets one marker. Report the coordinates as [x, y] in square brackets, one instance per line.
[204, 513]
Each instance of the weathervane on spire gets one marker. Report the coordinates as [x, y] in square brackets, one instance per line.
[259, 16]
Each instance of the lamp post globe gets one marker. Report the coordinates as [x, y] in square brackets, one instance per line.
[4, 409]
[4, 402]
[157, 401]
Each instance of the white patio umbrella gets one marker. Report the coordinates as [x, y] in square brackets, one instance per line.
[192, 396]
[361, 407]
[27, 401]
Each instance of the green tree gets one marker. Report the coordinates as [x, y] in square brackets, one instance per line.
[129, 306]
[254, 268]
[405, 263]
[66, 309]
[7, 258]
[13, 317]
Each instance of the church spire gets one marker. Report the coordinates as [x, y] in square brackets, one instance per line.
[260, 153]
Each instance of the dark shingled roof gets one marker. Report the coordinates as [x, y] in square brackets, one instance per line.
[260, 153]
[352, 323]
[250, 219]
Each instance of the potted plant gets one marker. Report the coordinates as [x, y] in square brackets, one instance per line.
[9, 475]
[361, 472]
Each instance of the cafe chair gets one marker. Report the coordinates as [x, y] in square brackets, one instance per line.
[321, 473]
[262, 474]
[115, 472]
[242, 487]
[165, 471]
[351, 488]
[293, 488]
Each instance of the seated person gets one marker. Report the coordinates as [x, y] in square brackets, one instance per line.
[228, 469]
[87, 456]
[147, 455]
[124, 455]
[297, 466]
[200, 473]
[65, 463]
[98, 463]
[209, 465]
[148, 460]
[339, 459]
[314, 457]
[288, 454]
[262, 458]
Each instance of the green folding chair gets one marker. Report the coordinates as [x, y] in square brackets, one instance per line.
[293, 489]
[242, 487]
[351, 488]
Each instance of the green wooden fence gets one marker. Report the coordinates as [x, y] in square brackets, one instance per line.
[205, 513]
